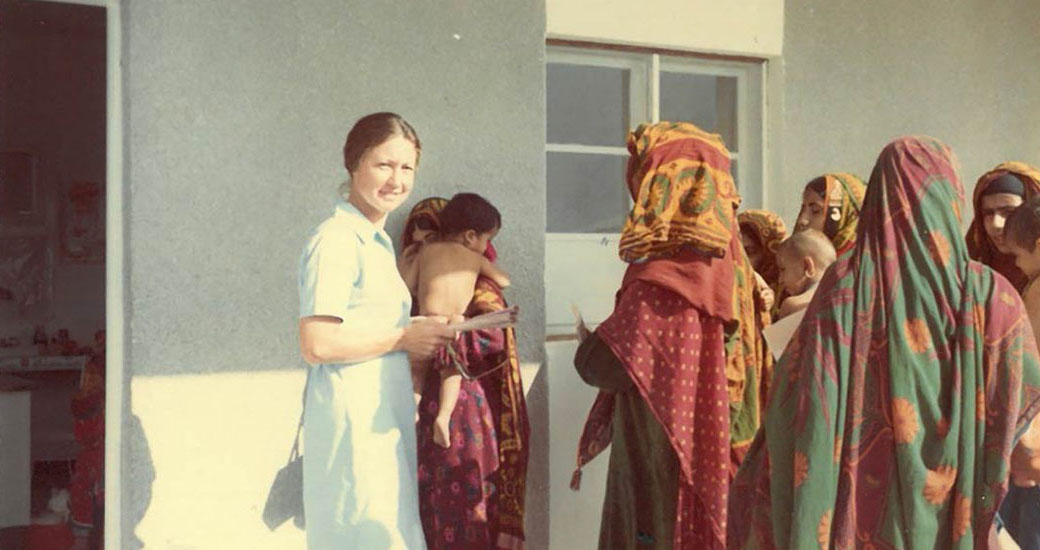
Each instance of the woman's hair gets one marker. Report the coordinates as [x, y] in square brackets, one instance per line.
[467, 211]
[752, 233]
[818, 186]
[832, 212]
[1023, 225]
[372, 131]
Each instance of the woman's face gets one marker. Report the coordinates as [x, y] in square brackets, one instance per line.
[753, 249]
[994, 210]
[383, 178]
[420, 235]
[813, 214]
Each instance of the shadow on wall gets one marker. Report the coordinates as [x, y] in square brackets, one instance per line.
[536, 516]
[139, 474]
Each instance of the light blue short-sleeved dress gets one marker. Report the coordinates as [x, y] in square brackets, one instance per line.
[359, 467]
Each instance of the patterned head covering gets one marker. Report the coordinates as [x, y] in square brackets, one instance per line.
[427, 211]
[770, 231]
[843, 196]
[688, 292]
[979, 245]
[684, 195]
[682, 235]
[894, 411]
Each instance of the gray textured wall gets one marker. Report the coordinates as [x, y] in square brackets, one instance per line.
[236, 113]
[858, 74]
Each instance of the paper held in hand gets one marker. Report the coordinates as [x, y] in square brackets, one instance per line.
[580, 329]
[502, 318]
[780, 333]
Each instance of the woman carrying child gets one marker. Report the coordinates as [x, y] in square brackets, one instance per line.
[997, 193]
[472, 492]
[677, 362]
[910, 379]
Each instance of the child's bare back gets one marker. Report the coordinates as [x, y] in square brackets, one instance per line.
[447, 275]
[442, 274]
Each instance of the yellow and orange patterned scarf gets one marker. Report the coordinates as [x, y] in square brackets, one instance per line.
[769, 230]
[843, 197]
[684, 194]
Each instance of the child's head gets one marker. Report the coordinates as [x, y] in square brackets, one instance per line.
[1022, 236]
[471, 220]
[802, 259]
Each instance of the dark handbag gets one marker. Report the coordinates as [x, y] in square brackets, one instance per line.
[285, 499]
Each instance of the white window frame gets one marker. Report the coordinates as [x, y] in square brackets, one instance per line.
[644, 105]
[592, 289]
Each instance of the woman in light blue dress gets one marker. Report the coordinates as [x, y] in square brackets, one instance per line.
[359, 468]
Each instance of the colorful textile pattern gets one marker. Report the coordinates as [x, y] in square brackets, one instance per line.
[894, 412]
[769, 229]
[456, 490]
[87, 485]
[979, 245]
[472, 494]
[684, 324]
[844, 197]
[684, 195]
[676, 356]
[685, 209]
[426, 209]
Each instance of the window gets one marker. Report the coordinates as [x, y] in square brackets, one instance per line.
[594, 97]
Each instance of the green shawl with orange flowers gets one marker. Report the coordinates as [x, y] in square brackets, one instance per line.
[894, 411]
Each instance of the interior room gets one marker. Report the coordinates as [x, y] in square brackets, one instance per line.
[52, 274]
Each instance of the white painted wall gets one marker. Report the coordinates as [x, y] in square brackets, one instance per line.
[215, 442]
[575, 514]
[740, 27]
[210, 485]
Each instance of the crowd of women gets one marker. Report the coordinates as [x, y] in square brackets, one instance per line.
[896, 417]
[897, 414]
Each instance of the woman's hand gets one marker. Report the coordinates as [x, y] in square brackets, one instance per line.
[765, 292]
[425, 336]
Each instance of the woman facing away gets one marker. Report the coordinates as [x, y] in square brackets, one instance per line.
[359, 469]
[911, 378]
[677, 362]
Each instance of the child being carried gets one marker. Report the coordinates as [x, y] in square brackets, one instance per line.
[802, 259]
[442, 273]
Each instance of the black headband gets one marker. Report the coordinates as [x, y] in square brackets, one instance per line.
[1007, 183]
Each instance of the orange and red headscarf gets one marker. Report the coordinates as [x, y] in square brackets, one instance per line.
[769, 230]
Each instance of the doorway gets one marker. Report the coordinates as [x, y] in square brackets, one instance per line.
[53, 171]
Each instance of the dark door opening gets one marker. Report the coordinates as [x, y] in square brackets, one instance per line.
[52, 274]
